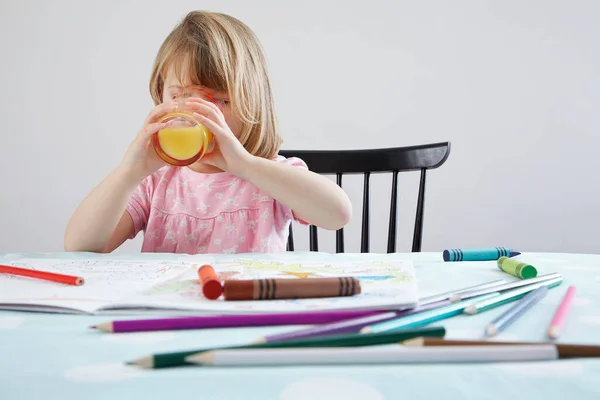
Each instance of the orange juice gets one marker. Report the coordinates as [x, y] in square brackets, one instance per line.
[183, 142]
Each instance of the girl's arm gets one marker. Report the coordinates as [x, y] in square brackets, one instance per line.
[313, 198]
[100, 224]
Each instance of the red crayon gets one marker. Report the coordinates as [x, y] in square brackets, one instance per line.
[211, 285]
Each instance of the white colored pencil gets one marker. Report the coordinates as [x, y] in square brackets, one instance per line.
[504, 287]
[373, 355]
[455, 295]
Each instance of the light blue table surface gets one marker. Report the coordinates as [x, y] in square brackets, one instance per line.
[50, 356]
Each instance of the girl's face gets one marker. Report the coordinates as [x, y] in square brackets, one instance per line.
[173, 88]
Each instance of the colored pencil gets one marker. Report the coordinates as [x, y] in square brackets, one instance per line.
[507, 286]
[565, 350]
[558, 321]
[355, 339]
[509, 296]
[345, 326]
[452, 295]
[513, 313]
[348, 325]
[231, 321]
[373, 355]
[178, 359]
[47, 276]
[424, 318]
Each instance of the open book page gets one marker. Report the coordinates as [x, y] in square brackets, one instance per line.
[106, 281]
[385, 284]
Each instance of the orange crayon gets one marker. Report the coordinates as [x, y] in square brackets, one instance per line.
[211, 285]
[48, 276]
[269, 289]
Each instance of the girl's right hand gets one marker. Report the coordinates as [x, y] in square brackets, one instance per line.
[141, 159]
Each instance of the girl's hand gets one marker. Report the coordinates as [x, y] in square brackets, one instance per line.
[141, 159]
[228, 154]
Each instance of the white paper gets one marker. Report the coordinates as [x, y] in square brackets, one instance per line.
[384, 285]
[168, 285]
[106, 281]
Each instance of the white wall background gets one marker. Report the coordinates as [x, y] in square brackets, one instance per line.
[515, 86]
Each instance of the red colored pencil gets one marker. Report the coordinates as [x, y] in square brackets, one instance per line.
[48, 276]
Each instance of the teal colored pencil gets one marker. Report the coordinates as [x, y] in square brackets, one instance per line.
[425, 317]
[507, 297]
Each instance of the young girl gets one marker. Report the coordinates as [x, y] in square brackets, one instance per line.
[239, 198]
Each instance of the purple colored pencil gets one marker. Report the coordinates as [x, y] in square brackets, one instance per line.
[349, 325]
[230, 321]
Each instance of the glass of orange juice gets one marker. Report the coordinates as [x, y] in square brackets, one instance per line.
[185, 140]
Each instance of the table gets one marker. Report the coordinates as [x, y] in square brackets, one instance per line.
[57, 356]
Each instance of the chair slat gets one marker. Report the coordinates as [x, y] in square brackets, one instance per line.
[339, 234]
[313, 238]
[418, 233]
[391, 245]
[364, 245]
[290, 244]
[394, 160]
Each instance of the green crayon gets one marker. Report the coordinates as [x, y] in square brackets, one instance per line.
[516, 268]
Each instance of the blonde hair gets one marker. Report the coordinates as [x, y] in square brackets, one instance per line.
[222, 53]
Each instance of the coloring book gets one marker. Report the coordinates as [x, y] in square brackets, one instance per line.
[116, 285]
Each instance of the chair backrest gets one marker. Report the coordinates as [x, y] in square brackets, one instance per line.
[366, 162]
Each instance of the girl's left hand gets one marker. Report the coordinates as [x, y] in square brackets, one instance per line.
[228, 154]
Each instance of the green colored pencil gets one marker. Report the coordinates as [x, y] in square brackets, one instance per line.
[509, 296]
[166, 360]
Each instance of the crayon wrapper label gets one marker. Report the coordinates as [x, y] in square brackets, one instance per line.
[519, 269]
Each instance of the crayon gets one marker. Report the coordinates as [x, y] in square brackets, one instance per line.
[211, 285]
[269, 289]
[47, 276]
[515, 268]
[483, 254]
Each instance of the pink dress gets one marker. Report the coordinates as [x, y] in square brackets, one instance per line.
[182, 211]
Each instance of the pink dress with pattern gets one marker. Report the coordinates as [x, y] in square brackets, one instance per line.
[182, 211]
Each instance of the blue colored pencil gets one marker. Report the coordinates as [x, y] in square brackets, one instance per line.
[425, 317]
[508, 317]
[353, 325]
[483, 254]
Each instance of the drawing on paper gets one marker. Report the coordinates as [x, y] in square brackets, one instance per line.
[173, 284]
[383, 284]
[105, 280]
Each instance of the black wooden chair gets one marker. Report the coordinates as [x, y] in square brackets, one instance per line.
[394, 160]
